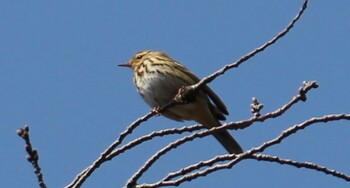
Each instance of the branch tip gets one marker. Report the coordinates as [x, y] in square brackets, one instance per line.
[256, 106]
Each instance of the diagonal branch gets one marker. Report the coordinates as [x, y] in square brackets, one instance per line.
[301, 96]
[132, 181]
[81, 177]
[150, 136]
[79, 180]
[307, 165]
[185, 175]
[211, 77]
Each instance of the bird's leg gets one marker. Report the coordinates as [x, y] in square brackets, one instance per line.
[185, 95]
[155, 111]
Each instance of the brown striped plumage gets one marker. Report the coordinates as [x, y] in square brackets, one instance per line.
[158, 77]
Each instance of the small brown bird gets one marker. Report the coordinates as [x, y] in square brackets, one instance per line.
[158, 78]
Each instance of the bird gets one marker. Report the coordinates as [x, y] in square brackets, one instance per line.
[158, 78]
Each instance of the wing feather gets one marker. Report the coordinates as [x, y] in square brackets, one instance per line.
[212, 95]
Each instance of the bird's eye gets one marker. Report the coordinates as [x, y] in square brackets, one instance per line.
[139, 56]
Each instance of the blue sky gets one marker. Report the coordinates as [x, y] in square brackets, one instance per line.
[59, 74]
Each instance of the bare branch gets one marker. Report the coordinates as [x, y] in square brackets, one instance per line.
[307, 165]
[184, 174]
[307, 87]
[301, 96]
[152, 135]
[211, 77]
[233, 125]
[182, 95]
[81, 177]
[33, 155]
[294, 129]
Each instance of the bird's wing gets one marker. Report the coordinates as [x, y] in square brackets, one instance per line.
[212, 95]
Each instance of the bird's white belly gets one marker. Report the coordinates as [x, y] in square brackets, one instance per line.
[158, 89]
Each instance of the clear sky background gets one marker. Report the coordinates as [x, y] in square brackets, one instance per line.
[59, 74]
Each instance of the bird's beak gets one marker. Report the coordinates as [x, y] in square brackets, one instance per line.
[125, 65]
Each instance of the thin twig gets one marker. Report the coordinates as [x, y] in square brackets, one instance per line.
[301, 96]
[307, 165]
[81, 177]
[33, 155]
[184, 174]
[211, 77]
[152, 135]
[132, 181]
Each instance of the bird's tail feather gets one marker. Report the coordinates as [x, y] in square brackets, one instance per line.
[229, 143]
[223, 136]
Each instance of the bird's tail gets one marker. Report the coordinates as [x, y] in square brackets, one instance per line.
[223, 136]
[229, 143]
